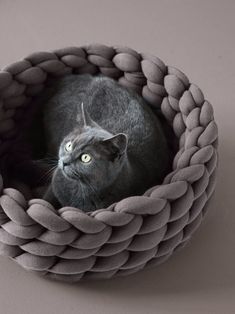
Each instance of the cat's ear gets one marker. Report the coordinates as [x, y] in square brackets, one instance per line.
[86, 119]
[119, 140]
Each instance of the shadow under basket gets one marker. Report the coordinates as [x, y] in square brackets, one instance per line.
[137, 232]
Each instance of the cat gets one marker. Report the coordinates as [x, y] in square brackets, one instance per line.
[108, 142]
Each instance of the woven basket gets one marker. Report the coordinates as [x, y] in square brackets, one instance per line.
[137, 232]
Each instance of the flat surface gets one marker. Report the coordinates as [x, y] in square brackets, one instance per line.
[198, 38]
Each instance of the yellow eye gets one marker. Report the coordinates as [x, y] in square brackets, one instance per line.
[85, 158]
[68, 146]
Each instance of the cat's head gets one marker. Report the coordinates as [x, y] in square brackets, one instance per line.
[92, 154]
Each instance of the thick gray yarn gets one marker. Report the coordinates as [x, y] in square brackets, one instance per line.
[137, 232]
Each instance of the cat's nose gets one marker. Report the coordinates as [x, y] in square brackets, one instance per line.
[63, 163]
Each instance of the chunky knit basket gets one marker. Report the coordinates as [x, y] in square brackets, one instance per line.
[136, 232]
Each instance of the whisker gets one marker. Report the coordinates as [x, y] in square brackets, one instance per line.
[88, 184]
[46, 175]
[83, 195]
[92, 188]
[49, 161]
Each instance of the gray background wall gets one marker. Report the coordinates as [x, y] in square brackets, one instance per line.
[198, 38]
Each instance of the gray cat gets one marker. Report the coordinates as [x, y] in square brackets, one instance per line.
[108, 142]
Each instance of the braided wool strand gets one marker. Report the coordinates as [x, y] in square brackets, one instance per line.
[136, 232]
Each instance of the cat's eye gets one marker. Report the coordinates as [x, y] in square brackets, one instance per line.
[85, 158]
[68, 146]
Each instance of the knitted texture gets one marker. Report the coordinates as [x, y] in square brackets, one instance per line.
[136, 232]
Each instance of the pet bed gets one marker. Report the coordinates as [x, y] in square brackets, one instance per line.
[139, 231]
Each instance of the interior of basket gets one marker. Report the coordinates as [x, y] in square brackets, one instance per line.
[18, 144]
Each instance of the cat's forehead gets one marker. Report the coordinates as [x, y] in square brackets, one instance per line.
[88, 144]
[83, 140]
[89, 136]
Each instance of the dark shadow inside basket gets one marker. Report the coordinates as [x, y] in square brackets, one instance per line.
[28, 144]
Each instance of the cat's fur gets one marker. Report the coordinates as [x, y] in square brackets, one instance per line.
[117, 128]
